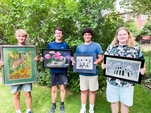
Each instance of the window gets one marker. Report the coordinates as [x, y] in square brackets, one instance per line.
[144, 17]
[124, 17]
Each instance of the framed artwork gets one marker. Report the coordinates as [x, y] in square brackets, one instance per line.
[56, 58]
[123, 68]
[84, 63]
[19, 65]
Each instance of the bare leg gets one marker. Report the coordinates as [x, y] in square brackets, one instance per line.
[62, 92]
[17, 101]
[114, 107]
[54, 94]
[92, 97]
[28, 99]
[84, 96]
[124, 108]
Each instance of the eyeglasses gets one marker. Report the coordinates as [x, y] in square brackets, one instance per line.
[58, 33]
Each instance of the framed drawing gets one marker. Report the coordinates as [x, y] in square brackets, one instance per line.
[123, 68]
[84, 63]
[19, 65]
[56, 58]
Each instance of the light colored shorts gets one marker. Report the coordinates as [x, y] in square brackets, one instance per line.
[122, 94]
[89, 83]
[24, 87]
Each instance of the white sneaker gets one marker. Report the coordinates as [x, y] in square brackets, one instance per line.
[82, 111]
[91, 111]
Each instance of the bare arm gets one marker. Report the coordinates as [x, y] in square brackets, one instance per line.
[99, 60]
[142, 70]
[1, 63]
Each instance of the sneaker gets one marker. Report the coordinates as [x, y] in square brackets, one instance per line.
[91, 111]
[29, 112]
[52, 110]
[62, 109]
[82, 111]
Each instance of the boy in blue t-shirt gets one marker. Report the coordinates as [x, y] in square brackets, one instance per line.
[88, 81]
[58, 76]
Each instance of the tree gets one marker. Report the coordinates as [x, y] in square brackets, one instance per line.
[132, 26]
[40, 17]
[146, 31]
[137, 6]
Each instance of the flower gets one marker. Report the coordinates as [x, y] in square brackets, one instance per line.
[57, 55]
[47, 56]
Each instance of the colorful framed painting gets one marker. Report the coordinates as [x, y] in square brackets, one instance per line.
[19, 65]
[56, 58]
[123, 68]
[84, 63]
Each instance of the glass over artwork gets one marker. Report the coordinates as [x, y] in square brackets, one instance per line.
[123, 68]
[19, 65]
[54, 58]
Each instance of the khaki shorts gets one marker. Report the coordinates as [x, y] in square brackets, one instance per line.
[89, 83]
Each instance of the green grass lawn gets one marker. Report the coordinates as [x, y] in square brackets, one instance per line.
[42, 101]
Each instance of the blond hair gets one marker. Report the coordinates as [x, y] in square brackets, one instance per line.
[131, 40]
[21, 31]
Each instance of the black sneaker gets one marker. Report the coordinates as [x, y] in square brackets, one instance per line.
[52, 110]
[62, 109]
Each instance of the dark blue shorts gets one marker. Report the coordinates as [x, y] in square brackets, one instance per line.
[58, 79]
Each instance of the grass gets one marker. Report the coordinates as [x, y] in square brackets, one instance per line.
[42, 101]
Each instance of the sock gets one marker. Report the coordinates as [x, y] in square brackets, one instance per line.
[28, 110]
[18, 111]
[62, 103]
[54, 104]
[91, 106]
[83, 106]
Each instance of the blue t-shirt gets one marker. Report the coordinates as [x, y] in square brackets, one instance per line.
[55, 45]
[92, 48]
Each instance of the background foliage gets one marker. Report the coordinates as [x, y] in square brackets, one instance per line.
[40, 17]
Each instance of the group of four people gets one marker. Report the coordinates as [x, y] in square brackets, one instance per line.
[117, 90]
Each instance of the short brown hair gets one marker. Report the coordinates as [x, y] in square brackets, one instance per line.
[59, 29]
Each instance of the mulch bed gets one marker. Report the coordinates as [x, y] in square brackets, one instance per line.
[148, 85]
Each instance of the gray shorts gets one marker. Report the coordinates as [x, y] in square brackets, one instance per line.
[89, 83]
[24, 87]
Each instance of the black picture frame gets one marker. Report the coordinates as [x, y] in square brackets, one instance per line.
[56, 58]
[19, 65]
[84, 63]
[123, 68]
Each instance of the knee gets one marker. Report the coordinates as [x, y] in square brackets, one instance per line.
[27, 94]
[91, 92]
[17, 95]
[54, 89]
[62, 88]
[84, 92]
[114, 103]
